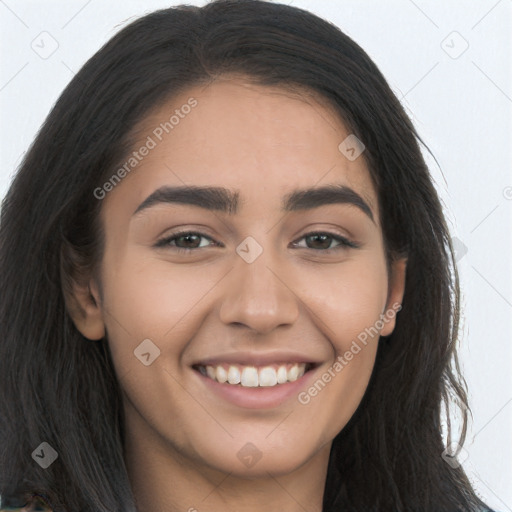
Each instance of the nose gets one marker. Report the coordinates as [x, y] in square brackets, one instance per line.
[258, 295]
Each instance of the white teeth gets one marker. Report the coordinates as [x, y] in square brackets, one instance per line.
[251, 377]
[221, 374]
[282, 376]
[267, 376]
[293, 373]
[233, 375]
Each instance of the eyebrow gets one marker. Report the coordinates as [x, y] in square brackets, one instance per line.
[227, 201]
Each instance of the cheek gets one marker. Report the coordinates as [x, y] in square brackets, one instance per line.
[152, 294]
[349, 301]
[348, 310]
[150, 298]
[335, 393]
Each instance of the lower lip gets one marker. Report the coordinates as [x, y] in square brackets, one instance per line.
[260, 397]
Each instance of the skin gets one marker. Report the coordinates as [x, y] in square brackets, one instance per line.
[182, 439]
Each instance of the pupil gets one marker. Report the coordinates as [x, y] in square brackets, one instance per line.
[188, 237]
[324, 237]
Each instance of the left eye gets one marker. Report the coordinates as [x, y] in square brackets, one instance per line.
[324, 237]
[192, 240]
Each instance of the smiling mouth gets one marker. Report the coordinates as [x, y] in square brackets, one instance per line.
[254, 376]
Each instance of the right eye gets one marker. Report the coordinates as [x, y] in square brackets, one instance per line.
[188, 237]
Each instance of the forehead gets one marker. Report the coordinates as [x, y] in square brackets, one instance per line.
[261, 141]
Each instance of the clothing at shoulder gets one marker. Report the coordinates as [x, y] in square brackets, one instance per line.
[35, 505]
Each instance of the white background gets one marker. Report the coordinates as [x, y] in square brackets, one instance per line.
[460, 101]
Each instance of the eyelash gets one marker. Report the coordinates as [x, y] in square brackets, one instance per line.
[345, 243]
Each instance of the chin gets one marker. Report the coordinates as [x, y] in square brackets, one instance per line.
[252, 460]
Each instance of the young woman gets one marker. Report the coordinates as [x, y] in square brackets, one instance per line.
[227, 282]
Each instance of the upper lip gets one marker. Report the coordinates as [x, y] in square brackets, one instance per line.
[256, 359]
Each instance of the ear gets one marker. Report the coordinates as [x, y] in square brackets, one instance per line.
[396, 290]
[83, 302]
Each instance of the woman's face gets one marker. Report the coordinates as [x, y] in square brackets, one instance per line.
[278, 276]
